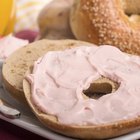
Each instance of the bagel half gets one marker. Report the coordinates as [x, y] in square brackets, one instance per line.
[99, 131]
[105, 22]
[17, 64]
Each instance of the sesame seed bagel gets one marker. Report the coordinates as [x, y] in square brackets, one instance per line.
[17, 64]
[107, 22]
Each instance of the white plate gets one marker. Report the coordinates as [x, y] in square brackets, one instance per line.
[29, 122]
[27, 119]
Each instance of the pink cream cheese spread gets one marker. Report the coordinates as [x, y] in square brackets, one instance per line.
[59, 78]
[9, 44]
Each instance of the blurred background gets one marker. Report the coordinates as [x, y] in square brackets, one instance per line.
[19, 17]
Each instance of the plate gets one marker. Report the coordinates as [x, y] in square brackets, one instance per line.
[27, 119]
[29, 122]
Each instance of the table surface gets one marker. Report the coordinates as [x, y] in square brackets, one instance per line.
[11, 132]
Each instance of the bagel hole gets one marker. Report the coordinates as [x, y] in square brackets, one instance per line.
[99, 89]
[131, 9]
[134, 18]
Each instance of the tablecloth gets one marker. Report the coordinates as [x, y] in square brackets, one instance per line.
[11, 132]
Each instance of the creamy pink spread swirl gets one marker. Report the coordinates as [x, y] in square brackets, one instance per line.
[9, 44]
[59, 78]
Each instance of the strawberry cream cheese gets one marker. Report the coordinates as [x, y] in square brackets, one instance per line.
[9, 44]
[59, 78]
